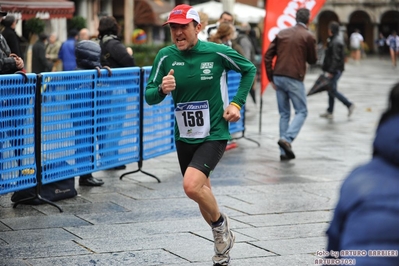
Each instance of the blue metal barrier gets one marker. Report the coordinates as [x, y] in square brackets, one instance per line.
[89, 122]
[118, 117]
[158, 125]
[17, 154]
[233, 82]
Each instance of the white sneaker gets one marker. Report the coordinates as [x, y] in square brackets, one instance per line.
[327, 115]
[350, 110]
[224, 239]
[221, 260]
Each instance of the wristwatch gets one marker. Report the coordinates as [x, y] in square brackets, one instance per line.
[160, 91]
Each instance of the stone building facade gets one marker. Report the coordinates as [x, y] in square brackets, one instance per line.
[371, 17]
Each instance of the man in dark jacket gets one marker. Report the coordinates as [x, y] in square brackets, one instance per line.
[293, 47]
[39, 60]
[333, 66]
[366, 217]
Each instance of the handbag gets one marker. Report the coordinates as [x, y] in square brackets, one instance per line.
[321, 84]
[54, 191]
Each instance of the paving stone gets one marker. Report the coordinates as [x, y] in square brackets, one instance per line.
[13, 262]
[286, 231]
[38, 222]
[3, 227]
[285, 218]
[20, 211]
[27, 250]
[188, 244]
[37, 235]
[294, 260]
[138, 229]
[145, 257]
[83, 208]
[309, 245]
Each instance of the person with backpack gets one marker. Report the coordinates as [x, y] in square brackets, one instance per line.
[113, 52]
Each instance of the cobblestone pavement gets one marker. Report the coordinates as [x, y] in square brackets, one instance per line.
[278, 210]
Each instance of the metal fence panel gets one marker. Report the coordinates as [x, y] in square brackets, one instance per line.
[17, 154]
[67, 124]
[89, 122]
[118, 117]
[233, 82]
[158, 125]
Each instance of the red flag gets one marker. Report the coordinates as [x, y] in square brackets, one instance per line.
[280, 14]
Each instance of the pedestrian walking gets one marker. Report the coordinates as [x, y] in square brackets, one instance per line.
[356, 45]
[381, 42]
[367, 213]
[393, 43]
[193, 72]
[287, 75]
[333, 66]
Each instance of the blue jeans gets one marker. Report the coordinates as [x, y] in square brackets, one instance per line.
[289, 89]
[333, 93]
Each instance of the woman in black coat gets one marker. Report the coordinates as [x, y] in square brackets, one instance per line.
[12, 38]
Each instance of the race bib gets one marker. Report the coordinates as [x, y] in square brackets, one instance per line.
[193, 119]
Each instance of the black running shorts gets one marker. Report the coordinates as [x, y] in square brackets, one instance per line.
[204, 156]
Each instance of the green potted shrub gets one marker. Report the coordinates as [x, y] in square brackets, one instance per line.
[34, 26]
[77, 22]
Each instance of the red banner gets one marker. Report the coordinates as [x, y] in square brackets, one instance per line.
[281, 14]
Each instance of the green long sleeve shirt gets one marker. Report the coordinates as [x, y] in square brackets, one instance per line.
[201, 93]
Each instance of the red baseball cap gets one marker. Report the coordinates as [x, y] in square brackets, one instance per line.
[182, 14]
